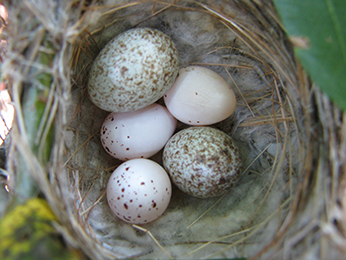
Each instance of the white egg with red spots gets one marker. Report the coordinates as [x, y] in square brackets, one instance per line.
[139, 191]
[200, 96]
[137, 134]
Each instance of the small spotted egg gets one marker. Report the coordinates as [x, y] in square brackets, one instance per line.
[133, 70]
[202, 161]
[137, 134]
[200, 96]
[139, 191]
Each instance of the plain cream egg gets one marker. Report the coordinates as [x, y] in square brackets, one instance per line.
[200, 96]
[137, 134]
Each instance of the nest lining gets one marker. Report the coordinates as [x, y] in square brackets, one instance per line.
[244, 43]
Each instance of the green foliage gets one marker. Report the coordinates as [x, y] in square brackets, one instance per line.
[27, 233]
[321, 27]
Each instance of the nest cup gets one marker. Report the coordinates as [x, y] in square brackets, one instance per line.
[205, 40]
[244, 43]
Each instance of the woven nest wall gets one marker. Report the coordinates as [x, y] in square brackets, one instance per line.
[289, 202]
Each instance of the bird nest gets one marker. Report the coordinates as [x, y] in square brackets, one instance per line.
[290, 199]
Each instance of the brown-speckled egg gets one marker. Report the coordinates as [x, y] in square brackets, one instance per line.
[133, 70]
[202, 161]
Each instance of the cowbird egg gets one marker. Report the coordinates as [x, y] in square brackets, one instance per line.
[139, 191]
[133, 70]
[202, 161]
[137, 134]
[200, 96]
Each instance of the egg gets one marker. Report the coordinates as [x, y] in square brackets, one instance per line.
[139, 191]
[133, 70]
[137, 134]
[202, 161]
[200, 96]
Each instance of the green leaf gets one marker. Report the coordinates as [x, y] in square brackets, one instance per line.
[36, 109]
[321, 25]
[35, 103]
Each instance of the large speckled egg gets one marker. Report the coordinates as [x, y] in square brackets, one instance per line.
[137, 134]
[200, 96]
[133, 70]
[139, 191]
[202, 161]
